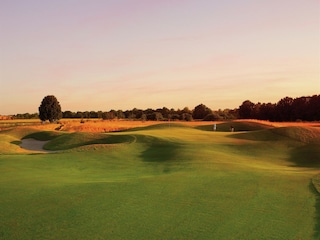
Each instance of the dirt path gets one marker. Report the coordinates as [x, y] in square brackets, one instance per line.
[34, 145]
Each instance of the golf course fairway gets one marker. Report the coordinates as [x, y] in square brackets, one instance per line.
[165, 181]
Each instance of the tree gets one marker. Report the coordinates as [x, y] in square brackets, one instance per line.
[313, 108]
[267, 112]
[120, 114]
[284, 109]
[299, 108]
[67, 114]
[50, 109]
[210, 117]
[246, 109]
[186, 117]
[201, 111]
[155, 116]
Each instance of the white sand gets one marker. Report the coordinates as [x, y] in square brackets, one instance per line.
[34, 145]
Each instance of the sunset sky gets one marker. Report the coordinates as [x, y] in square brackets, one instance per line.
[121, 54]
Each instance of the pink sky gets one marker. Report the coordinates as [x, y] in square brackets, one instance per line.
[121, 54]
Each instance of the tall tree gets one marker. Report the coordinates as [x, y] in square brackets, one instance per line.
[313, 108]
[299, 108]
[246, 110]
[284, 109]
[50, 109]
[201, 111]
[267, 111]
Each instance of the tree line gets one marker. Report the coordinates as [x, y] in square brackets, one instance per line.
[160, 114]
[286, 109]
[200, 112]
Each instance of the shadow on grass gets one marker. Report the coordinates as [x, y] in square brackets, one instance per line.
[258, 135]
[159, 150]
[313, 189]
[163, 153]
[309, 156]
[44, 135]
[306, 156]
[73, 140]
[16, 142]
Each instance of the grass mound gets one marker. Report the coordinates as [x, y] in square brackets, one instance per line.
[306, 156]
[306, 135]
[302, 134]
[19, 132]
[10, 140]
[73, 140]
[259, 135]
[302, 143]
[159, 149]
[43, 135]
[159, 126]
[9, 144]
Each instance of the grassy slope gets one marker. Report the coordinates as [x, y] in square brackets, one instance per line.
[162, 182]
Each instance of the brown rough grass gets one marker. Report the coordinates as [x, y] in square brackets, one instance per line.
[111, 125]
[119, 125]
[92, 125]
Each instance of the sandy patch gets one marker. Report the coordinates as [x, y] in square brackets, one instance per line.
[34, 145]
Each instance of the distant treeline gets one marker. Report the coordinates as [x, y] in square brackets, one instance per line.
[161, 114]
[286, 109]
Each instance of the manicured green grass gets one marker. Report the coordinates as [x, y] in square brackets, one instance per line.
[237, 125]
[73, 140]
[161, 182]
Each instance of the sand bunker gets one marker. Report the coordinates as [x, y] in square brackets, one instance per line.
[34, 145]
